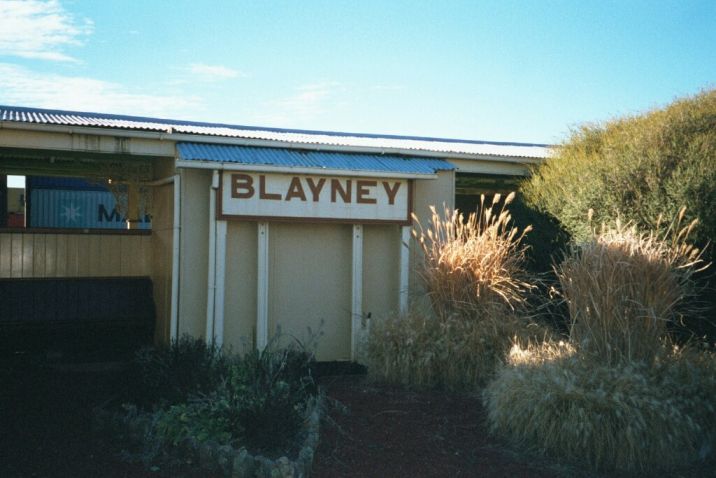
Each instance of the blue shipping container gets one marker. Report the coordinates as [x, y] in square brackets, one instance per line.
[76, 209]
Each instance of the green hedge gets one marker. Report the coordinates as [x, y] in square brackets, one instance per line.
[637, 167]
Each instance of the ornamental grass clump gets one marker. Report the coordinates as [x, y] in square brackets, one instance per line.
[473, 267]
[416, 349]
[477, 288]
[624, 289]
[619, 394]
[631, 416]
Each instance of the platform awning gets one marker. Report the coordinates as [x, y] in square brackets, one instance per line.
[216, 156]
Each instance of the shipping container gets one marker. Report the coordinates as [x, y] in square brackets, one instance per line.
[73, 203]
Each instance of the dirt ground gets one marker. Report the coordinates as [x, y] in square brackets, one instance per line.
[389, 431]
[371, 430]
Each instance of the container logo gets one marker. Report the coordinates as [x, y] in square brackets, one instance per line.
[71, 213]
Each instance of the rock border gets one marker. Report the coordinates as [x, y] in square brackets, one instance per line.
[239, 463]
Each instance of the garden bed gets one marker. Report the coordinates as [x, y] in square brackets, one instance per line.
[256, 414]
[378, 430]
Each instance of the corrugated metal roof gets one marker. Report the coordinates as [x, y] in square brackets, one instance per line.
[438, 145]
[310, 159]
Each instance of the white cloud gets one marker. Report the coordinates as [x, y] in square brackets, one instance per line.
[24, 87]
[39, 29]
[204, 72]
[308, 103]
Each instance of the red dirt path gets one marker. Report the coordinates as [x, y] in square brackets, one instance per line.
[389, 431]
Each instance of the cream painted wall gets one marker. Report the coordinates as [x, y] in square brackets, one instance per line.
[310, 284]
[162, 235]
[65, 141]
[439, 193]
[309, 281]
[240, 292]
[74, 255]
[381, 269]
[194, 251]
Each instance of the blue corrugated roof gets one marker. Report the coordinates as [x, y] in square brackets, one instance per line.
[311, 159]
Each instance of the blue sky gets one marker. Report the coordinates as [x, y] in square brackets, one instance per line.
[522, 71]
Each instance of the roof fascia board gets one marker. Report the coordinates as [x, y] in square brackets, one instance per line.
[196, 138]
[89, 130]
[194, 164]
[188, 138]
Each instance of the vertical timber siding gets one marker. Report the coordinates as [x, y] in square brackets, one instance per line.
[27, 254]
[240, 283]
[162, 236]
[310, 284]
[194, 255]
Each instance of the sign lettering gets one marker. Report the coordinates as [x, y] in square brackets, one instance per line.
[346, 199]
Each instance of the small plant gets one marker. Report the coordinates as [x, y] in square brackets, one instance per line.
[188, 366]
[197, 395]
[269, 391]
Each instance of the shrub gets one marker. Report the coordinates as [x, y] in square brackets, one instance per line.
[270, 391]
[640, 167]
[624, 288]
[628, 416]
[473, 267]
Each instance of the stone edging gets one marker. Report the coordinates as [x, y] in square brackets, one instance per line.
[239, 463]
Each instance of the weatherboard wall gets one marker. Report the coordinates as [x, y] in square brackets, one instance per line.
[39, 254]
[161, 265]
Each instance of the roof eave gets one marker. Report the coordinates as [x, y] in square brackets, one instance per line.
[199, 138]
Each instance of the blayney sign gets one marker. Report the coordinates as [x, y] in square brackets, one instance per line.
[321, 198]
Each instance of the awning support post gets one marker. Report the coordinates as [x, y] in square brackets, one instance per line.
[262, 286]
[357, 290]
[404, 268]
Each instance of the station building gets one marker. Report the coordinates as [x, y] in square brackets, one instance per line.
[235, 230]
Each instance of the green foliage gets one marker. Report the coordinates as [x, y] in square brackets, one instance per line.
[199, 420]
[195, 394]
[171, 374]
[269, 391]
[639, 167]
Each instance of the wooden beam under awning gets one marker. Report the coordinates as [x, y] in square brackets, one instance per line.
[61, 163]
